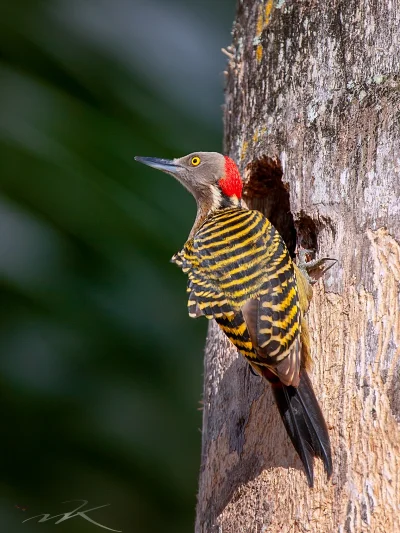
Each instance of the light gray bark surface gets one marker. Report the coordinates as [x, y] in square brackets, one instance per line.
[313, 117]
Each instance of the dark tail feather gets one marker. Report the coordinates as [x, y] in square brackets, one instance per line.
[304, 423]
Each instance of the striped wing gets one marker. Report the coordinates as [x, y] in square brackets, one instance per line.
[230, 251]
[206, 299]
[241, 274]
[205, 296]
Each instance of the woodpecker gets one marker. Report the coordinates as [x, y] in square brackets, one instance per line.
[240, 273]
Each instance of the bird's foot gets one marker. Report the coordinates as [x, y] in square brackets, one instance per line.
[314, 269]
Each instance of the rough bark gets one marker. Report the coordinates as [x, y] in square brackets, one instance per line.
[313, 118]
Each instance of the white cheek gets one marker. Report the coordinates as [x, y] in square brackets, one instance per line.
[216, 197]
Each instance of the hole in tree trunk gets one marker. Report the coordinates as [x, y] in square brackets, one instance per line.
[306, 232]
[265, 191]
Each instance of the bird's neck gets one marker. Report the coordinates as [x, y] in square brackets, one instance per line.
[206, 208]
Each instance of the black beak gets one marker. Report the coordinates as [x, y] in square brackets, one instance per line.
[166, 165]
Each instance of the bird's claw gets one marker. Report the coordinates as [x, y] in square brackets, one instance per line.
[313, 270]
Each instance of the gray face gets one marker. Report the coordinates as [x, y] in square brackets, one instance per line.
[198, 171]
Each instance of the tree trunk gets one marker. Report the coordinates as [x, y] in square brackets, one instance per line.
[313, 118]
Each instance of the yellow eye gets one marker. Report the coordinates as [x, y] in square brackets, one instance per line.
[195, 161]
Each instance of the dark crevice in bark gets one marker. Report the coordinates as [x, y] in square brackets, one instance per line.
[265, 191]
[306, 232]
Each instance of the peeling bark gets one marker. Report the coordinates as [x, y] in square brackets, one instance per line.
[313, 89]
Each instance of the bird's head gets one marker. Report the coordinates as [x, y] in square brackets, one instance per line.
[212, 178]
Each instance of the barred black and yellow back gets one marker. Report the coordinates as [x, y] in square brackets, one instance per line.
[240, 273]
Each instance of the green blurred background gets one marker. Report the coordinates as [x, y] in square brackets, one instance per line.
[100, 366]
